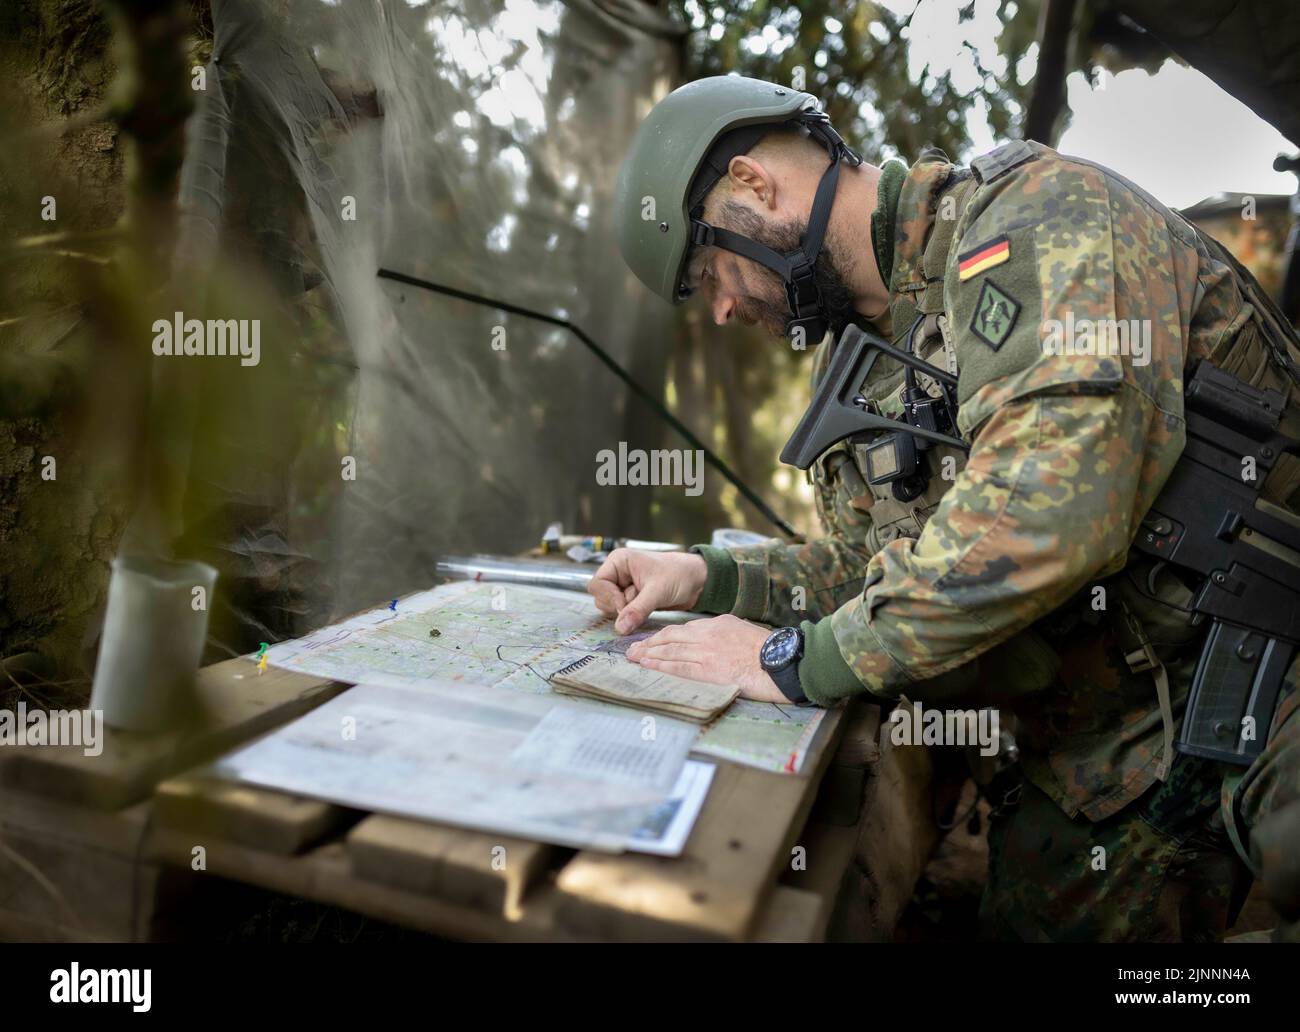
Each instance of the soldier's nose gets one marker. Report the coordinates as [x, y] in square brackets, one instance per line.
[723, 309]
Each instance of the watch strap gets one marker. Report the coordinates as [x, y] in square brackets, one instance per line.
[788, 683]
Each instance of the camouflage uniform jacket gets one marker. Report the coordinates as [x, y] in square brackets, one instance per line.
[1068, 452]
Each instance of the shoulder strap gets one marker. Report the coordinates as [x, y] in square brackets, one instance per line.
[1001, 160]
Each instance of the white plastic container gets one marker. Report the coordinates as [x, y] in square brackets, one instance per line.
[154, 629]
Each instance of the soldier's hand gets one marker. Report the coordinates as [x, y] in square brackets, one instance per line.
[633, 584]
[723, 650]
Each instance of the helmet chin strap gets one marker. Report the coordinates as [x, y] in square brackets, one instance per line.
[795, 267]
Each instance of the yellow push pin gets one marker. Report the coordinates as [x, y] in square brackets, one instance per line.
[261, 658]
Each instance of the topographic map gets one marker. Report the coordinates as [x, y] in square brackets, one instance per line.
[516, 636]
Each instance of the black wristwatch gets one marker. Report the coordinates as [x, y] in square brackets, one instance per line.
[780, 657]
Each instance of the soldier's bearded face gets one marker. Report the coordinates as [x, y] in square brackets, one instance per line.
[764, 302]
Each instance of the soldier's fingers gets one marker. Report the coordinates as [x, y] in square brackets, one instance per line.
[686, 652]
[667, 635]
[695, 630]
[615, 573]
[633, 614]
[613, 570]
[688, 632]
[691, 671]
[609, 600]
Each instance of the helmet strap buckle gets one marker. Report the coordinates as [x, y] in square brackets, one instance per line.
[802, 292]
[702, 233]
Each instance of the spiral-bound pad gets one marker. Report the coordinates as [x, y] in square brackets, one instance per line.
[577, 664]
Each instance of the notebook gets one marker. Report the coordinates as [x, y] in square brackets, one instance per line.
[613, 678]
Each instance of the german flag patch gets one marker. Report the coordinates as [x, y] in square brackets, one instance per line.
[984, 257]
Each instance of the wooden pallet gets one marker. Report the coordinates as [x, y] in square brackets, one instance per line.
[470, 884]
[435, 878]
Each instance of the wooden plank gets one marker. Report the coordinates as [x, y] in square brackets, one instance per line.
[235, 704]
[714, 890]
[828, 852]
[830, 835]
[483, 871]
[275, 822]
[793, 916]
[717, 889]
[116, 832]
[325, 874]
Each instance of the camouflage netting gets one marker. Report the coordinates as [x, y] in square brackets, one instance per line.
[475, 144]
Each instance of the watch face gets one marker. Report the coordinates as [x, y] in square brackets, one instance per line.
[780, 648]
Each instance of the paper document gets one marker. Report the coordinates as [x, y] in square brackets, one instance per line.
[555, 770]
[666, 830]
[601, 744]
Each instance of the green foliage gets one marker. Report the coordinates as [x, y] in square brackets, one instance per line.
[855, 57]
[904, 74]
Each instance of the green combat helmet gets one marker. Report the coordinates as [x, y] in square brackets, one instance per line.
[682, 149]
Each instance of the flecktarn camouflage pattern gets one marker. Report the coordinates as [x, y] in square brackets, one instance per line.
[1020, 267]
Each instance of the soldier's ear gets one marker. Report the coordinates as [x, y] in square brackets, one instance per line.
[750, 177]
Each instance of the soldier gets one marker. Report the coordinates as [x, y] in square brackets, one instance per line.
[1068, 305]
